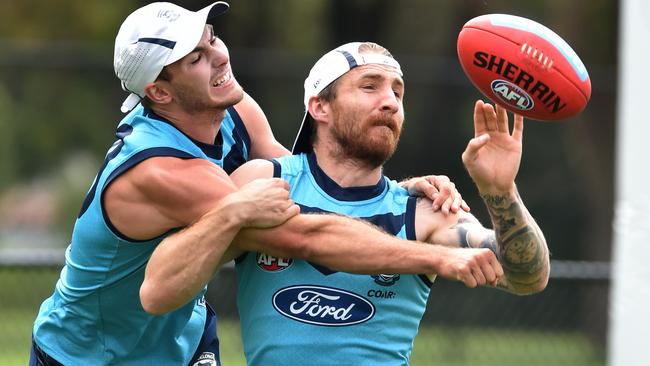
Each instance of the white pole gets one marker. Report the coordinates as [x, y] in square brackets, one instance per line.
[629, 337]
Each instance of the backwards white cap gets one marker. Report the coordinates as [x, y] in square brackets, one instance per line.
[153, 37]
[325, 71]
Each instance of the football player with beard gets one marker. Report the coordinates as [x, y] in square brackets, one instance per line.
[354, 115]
[127, 295]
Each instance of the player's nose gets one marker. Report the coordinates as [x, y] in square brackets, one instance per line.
[219, 55]
[389, 101]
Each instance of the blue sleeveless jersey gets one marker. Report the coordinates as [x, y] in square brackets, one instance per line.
[294, 312]
[94, 316]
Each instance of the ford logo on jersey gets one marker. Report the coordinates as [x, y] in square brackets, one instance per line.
[321, 305]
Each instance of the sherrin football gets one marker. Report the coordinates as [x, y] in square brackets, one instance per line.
[523, 66]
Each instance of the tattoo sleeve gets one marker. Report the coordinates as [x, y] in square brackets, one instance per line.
[465, 228]
[518, 242]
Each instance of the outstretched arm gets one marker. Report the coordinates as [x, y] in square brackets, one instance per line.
[352, 245]
[520, 244]
[492, 159]
[338, 242]
[335, 241]
[516, 240]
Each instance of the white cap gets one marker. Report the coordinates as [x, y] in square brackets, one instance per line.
[325, 71]
[153, 37]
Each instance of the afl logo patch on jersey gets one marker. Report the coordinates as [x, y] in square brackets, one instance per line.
[320, 305]
[270, 263]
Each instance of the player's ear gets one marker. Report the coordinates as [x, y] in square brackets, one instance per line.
[157, 92]
[319, 109]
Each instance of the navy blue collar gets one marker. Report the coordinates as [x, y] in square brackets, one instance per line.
[213, 151]
[343, 194]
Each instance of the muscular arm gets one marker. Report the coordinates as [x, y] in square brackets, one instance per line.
[335, 241]
[164, 193]
[342, 243]
[492, 159]
[338, 242]
[516, 240]
[520, 244]
[183, 263]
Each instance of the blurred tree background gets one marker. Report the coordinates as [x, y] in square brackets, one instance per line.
[60, 99]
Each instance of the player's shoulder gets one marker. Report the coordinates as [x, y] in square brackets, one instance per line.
[253, 169]
[137, 112]
[261, 165]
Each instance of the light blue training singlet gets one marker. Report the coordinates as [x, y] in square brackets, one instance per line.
[294, 312]
[94, 316]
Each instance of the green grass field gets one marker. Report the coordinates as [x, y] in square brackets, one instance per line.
[433, 345]
[468, 347]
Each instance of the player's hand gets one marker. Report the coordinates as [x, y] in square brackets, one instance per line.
[493, 156]
[264, 203]
[471, 266]
[439, 189]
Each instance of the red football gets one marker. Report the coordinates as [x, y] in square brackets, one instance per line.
[523, 66]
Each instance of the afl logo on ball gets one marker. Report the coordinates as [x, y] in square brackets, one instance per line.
[270, 263]
[513, 95]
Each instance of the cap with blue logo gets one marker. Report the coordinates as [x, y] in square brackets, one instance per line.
[153, 37]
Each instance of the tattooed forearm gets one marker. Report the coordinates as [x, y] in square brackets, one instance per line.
[503, 212]
[520, 245]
